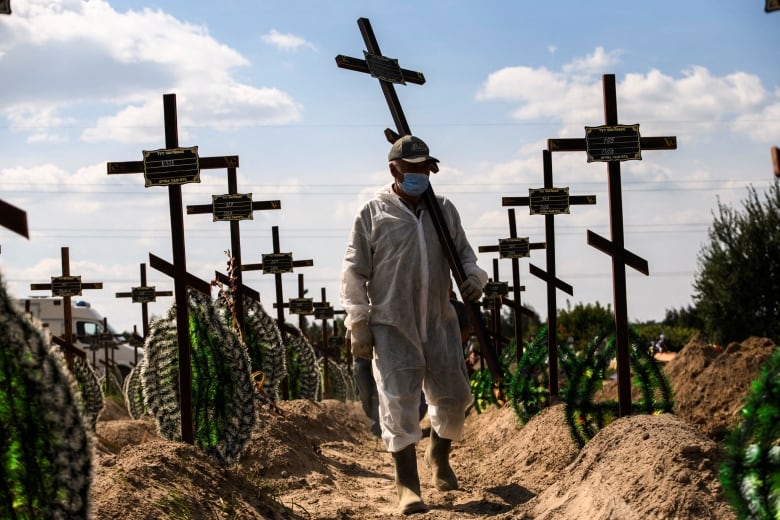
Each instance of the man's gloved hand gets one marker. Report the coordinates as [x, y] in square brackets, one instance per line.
[362, 340]
[471, 288]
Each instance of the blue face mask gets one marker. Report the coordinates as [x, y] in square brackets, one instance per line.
[414, 184]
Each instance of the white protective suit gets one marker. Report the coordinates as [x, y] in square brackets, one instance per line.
[396, 275]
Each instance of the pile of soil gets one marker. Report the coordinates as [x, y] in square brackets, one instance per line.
[318, 460]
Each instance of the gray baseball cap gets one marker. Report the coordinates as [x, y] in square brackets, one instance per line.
[411, 149]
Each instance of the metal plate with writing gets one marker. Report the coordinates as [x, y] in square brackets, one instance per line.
[323, 313]
[513, 247]
[171, 166]
[301, 306]
[495, 289]
[66, 286]
[612, 143]
[144, 294]
[548, 201]
[232, 206]
[384, 68]
[274, 263]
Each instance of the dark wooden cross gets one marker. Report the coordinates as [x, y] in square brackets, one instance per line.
[66, 286]
[324, 311]
[234, 207]
[613, 143]
[513, 248]
[388, 72]
[550, 201]
[278, 263]
[172, 167]
[144, 295]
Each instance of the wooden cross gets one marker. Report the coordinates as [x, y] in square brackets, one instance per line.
[613, 143]
[234, 207]
[172, 167]
[277, 263]
[144, 295]
[324, 311]
[66, 286]
[514, 248]
[388, 72]
[550, 201]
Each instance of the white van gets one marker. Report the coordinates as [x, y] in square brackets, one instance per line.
[87, 328]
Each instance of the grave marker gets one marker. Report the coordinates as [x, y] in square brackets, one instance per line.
[550, 201]
[615, 247]
[172, 167]
[144, 295]
[234, 207]
[66, 286]
[324, 311]
[278, 263]
[388, 72]
[514, 248]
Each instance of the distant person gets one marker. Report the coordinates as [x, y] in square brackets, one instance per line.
[395, 289]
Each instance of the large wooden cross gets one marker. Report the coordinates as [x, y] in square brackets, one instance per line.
[143, 294]
[234, 207]
[66, 286]
[388, 72]
[613, 143]
[514, 248]
[172, 167]
[277, 263]
[550, 201]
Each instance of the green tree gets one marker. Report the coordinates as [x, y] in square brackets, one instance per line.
[737, 285]
[583, 322]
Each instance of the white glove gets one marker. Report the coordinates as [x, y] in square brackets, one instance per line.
[362, 340]
[471, 288]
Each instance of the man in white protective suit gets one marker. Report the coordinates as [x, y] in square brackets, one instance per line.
[395, 288]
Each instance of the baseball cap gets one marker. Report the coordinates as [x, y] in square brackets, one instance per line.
[411, 149]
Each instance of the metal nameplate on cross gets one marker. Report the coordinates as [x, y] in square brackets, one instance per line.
[143, 294]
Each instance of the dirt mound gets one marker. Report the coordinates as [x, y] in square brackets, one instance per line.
[638, 467]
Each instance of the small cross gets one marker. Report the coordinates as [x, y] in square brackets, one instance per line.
[324, 311]
[144, 295]
[613, 143]
[66, 286]
[234, 207]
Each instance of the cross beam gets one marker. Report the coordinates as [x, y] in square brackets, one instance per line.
[387, 71]
[14, 219]
[616, 246]
[66, 286]
[143, 294]
[554, 205]
[234, 207]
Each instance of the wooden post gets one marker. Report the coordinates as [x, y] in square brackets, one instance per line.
[66, 286]
[144, 295]
[172, 167]
[550, 201]
[234, 207]
[387, 71]
[613, 143]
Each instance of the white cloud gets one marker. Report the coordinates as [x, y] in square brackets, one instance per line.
[286, 42]
[124, 60]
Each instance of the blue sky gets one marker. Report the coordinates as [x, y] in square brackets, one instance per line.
[83, 84]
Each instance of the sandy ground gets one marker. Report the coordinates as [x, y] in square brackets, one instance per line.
[317, 460]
